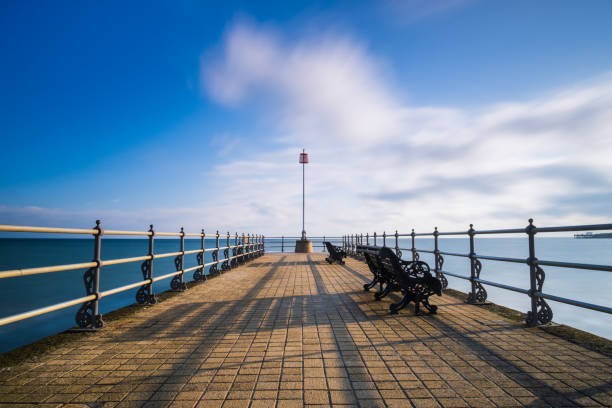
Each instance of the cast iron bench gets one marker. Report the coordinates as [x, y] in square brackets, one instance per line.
[370, 254]
[412, 278]
[335, 253]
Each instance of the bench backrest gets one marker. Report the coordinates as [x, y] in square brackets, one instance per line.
[405, 272]
[332, 249]
[372, 262]
[384, 266]
[363, 249]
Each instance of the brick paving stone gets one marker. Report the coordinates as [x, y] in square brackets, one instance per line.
[294, 331]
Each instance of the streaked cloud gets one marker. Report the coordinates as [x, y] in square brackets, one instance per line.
[381, 161]
[409, 11]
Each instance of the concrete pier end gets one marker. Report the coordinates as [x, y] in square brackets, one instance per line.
[303, 246]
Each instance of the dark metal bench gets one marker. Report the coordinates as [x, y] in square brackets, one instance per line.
[335, 253]
[370, 254]
[412, 278]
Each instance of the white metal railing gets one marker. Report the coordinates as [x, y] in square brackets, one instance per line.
[244, 248]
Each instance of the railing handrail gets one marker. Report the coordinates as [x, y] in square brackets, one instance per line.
[244, 248]
[300, 237]
[54, 230]
[248, 246]
[540, 312]
[568, 228]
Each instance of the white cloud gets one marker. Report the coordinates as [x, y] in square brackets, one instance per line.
[409, 11]
[379, 162]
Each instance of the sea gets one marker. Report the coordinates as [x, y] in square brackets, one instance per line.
[21, 294]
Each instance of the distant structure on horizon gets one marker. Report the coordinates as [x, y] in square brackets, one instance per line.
[591, 235]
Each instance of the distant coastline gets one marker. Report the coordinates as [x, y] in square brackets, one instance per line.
[591, 235]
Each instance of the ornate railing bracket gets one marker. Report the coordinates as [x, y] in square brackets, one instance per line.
[478, 295]
[88, 315]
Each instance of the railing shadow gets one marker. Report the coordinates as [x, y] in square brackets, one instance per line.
[497, 361]
[255, 311]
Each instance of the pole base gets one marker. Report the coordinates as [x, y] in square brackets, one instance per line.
[303, 246]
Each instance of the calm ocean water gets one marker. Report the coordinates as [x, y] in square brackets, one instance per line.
[26, 293]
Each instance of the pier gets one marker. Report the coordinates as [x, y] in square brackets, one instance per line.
[295, 331]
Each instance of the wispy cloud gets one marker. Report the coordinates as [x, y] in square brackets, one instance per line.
[225, 143]
[409, 11]
[378, 161]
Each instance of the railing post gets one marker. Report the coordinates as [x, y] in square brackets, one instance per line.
[199, 274]
[243, 249]
[361, 239]
[439, 261]
[249, 247]
[144, 295]
[472, 295]
[374, 238]
[225, 266]
[88, 316]
[397, 249]
[283, 243]
[540, 312]
[177, 283]
[367, 238]
[246, 241]
[478, 293]
[235, 250]
[214, 268]
[415, 254]
[384, 238]
[263, 245]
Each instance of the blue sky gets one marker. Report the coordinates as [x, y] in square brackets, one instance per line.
[416, 114]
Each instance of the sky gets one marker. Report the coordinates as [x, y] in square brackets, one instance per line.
[415, 114]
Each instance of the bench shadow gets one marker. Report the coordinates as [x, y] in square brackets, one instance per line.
[545, 395]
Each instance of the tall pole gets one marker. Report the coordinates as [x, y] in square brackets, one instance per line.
[303, 161]
[303, 196]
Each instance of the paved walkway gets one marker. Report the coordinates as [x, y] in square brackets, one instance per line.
[290, 330]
